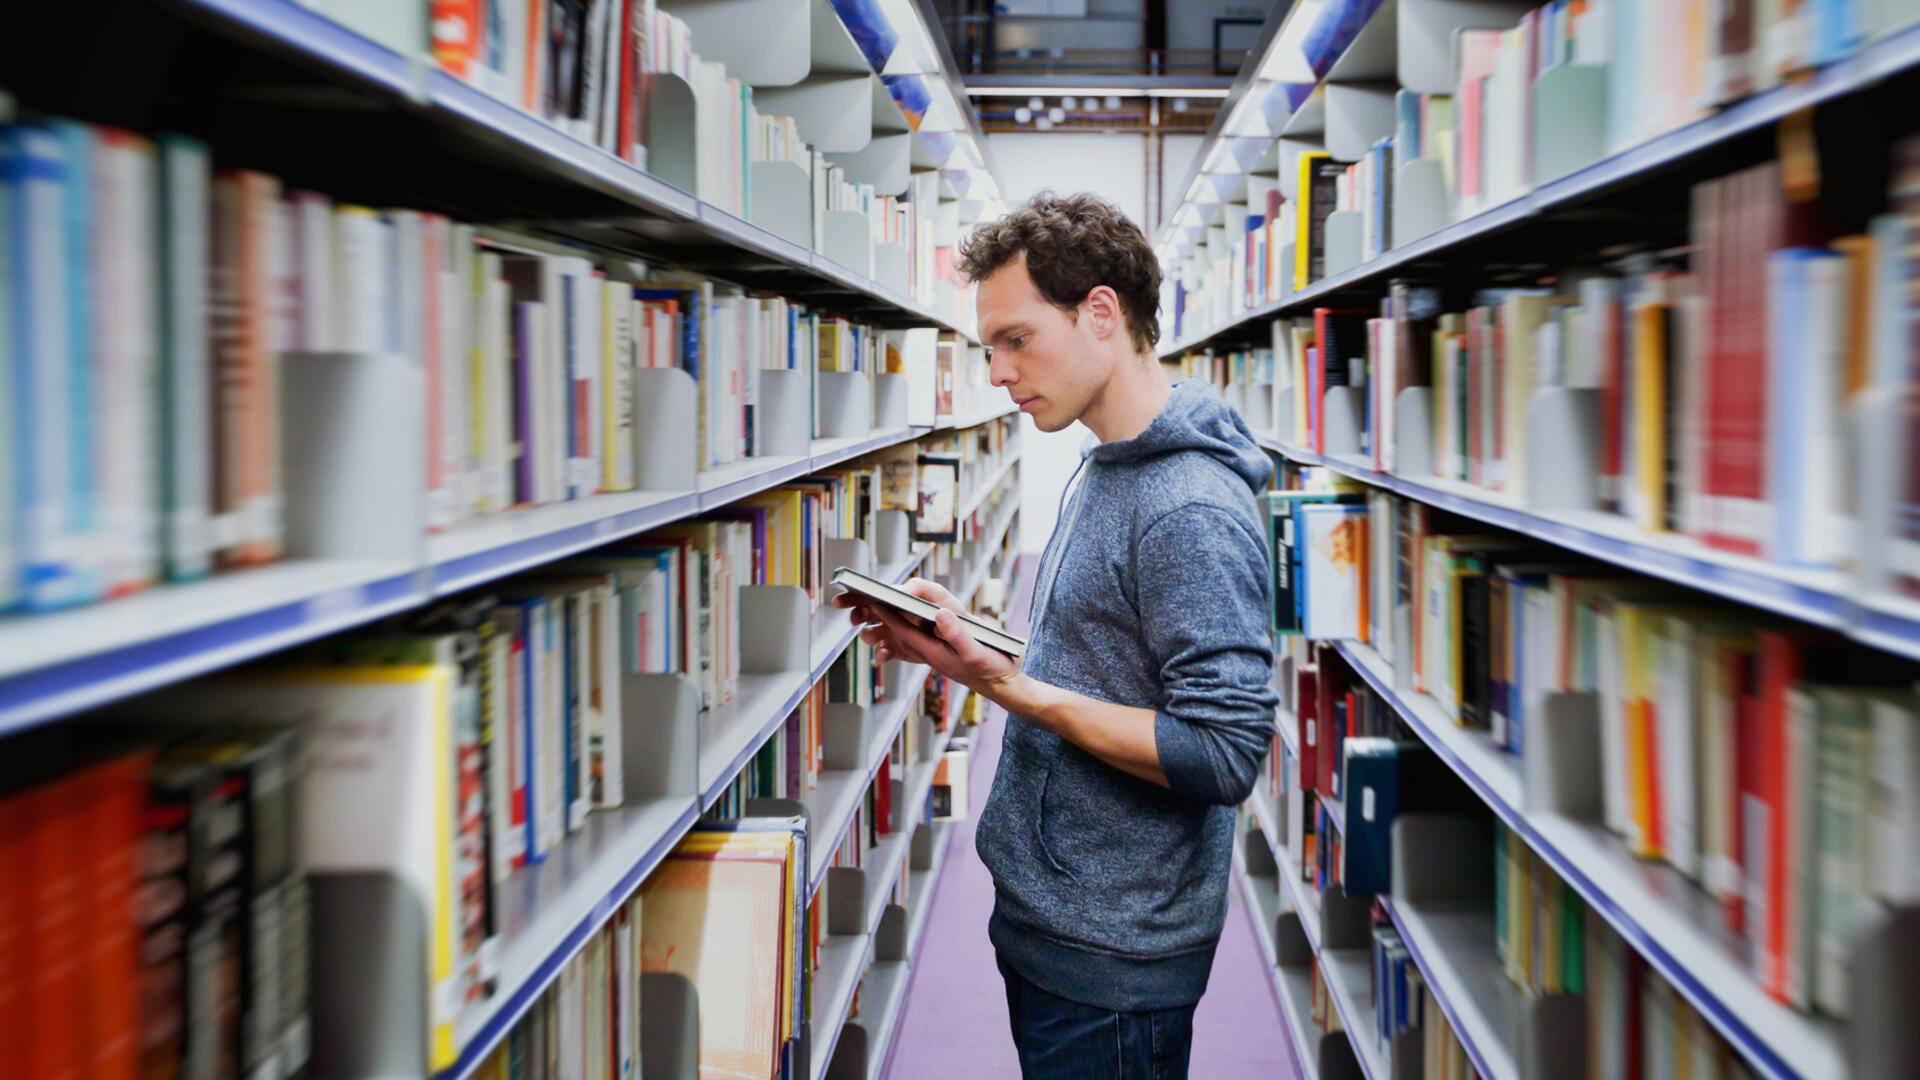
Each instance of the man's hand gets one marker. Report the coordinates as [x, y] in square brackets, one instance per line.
[949, 650]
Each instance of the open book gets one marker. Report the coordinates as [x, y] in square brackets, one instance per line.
[921, 612]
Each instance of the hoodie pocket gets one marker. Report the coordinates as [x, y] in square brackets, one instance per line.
[1040, 823]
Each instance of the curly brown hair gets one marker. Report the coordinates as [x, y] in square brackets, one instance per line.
[1073, 243]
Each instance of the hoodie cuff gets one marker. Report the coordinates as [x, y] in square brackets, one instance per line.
[1185, 759]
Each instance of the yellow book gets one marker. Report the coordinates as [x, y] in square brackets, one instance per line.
[1859, 251]
[1303, 221]
[1636, 628]
[1520, 320]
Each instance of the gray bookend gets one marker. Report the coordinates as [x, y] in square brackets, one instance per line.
[923, 733]
[1344, 921]
[354, 466]
[666, 448]
[1569, 120]
[1345, 242]
[1283, 404]
[1413, 434]
[1442, 859]
[774, 628]
[369, 994]
[1259, 410]
[1563, 450]
[1553, 1031]
[890, 393]
[846, 890]
[672, 121]
[845, 401]
[1420, 201]
[852, 554]
[783, 200]
[1342, 416]
[669, 1027]
[1881, 1037]
[845, 730]
[1336, 1057]
[1259, 855]
[898, 800]
[778, 808]
[920, 848]
[890, 937]
[1557, 769]
[890, 260]
[849, 1055]
[659, 736]
[1290, 946]
[849, 241]
[786, 413]
[892, 537]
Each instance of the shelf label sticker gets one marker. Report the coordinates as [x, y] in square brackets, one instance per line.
[1366, 803]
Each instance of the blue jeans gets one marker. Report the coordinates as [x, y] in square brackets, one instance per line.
[1063, 1040]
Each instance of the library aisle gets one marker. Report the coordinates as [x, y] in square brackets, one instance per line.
[956, 1011]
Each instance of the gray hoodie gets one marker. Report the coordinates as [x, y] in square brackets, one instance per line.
[1154, 592]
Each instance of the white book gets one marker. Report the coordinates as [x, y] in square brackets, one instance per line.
[1803, 723]
[1893, 860]
[497, 404]
[616, 376]
[127, 339]
[1616, 803]
[359, 249]
[550, 758]
[507, 842]
[1676, 735]
[310, 235]
[45, 408]
[185, 360]
[572, 1033]
[458, 312]
[1334, 536]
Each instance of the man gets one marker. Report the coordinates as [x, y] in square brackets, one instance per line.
[1139, 715]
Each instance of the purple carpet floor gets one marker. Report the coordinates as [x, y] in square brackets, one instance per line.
[955, 1025]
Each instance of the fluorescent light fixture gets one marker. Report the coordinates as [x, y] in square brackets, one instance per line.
[1115, 92]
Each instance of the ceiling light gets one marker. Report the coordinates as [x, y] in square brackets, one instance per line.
[1036, 104]
[1113, 103]
[1097, 91]
[1057, 114]
[1070, 102]
[1043, 124]
[1179, 104]
[1022, 114]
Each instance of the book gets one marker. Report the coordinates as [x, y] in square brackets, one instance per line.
[921, 613]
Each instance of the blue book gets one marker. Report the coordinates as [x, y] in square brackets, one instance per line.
[1792, 393]
[1333, 29]
[1382, 197]
[1837, 29]
[47, 206]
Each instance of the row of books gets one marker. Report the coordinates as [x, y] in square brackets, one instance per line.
[146, 418]
[1728, 383]
[570, 67]
[1641, 68]
[154, 917]
[1736, 748]
[1544, 939]
[588, 1023]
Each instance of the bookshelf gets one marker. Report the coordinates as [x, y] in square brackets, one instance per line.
[1531, 215]
[360, 109]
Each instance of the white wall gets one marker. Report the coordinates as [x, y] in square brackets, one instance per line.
[1113, 167]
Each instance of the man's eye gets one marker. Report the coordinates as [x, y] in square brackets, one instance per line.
[1019, 342]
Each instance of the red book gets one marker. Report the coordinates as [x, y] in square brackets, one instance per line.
[455, 31]
[55, 885]
[883, 797]
[629, 51]
[115, 802]
[1782, 659]
[1477, 50]
[1331, 687]
[1734, 466]
[14, 811]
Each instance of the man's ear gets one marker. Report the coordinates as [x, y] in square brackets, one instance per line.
[1102, 305]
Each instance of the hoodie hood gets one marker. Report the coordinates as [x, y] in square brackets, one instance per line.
[1195, 418]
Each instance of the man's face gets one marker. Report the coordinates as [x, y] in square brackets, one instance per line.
[1044, 357]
